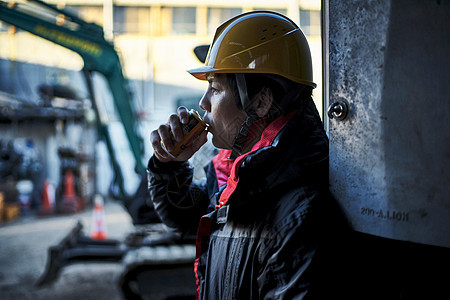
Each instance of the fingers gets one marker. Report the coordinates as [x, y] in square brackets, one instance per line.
[163, 139]
[166, 137]
[155, 139]
[175, 127]
[183, 114]
[176, 120]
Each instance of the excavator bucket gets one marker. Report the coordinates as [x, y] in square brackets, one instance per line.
[76, 247]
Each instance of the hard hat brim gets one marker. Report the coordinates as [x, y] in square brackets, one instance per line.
[201, 73]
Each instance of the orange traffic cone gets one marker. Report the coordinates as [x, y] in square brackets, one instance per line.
[98, 227]
[48, 198]
[69, 191]
[70, 203]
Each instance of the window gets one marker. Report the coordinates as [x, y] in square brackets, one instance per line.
[217, 16]
[131, 19]
[4, 27]
[310, 22]
[183, 20]
[92, 14]
[119, 19]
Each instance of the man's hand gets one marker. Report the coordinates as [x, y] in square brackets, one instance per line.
[162, 136]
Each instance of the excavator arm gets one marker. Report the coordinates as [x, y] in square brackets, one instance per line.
[140, 253]
[86, 39]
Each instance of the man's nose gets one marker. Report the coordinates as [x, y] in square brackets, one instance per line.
[204, 103]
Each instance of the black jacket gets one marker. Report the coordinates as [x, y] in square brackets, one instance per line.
[263, 243]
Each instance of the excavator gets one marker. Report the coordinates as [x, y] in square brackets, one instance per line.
[148, 251]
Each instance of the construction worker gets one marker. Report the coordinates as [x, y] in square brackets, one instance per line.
[259, 219]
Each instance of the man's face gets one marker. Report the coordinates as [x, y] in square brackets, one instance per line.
[222, 114]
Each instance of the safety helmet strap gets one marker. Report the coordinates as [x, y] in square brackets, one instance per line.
[252, 117]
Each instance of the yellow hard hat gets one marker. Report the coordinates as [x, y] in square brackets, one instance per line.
[259, 42]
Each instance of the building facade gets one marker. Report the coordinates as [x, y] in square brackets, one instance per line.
[155, 41]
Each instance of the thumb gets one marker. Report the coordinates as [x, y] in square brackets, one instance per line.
[193, 146]
[198, 142]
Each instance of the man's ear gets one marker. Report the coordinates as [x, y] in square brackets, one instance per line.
[262, 102]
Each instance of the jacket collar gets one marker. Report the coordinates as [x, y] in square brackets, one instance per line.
[267, 138]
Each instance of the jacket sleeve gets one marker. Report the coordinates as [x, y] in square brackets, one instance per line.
[177, 200]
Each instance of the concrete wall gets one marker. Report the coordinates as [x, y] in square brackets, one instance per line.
[388, 60]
